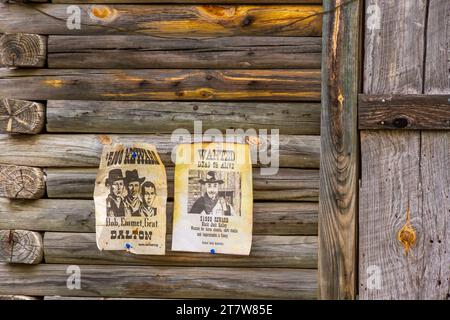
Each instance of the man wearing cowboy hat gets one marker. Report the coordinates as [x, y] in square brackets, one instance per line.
[132, 200]
[115, 206]
[210, 203]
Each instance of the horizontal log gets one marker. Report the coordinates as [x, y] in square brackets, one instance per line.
[84, 150]
[164, 20]
[23, 50]
[21, 246]
[20, 182]
[161, 282]
[160, 84]
[286, 185]
[417, 112]
[21, 116]
[165, 117]
[11, 297]
[189, 1]
[210, 53]
[267, 251]
[270, 218]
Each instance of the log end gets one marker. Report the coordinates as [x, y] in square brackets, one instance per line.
[21, 116]
[21, 246]
[23, 50]
[20, 182]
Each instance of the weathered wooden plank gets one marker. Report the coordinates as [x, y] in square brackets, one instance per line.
[286, 185]
[23, 50]
[394, 46]
[17, 297]
[164, 20]
[165, 117]
[210, 53]
[404, 112]
[389, 185]
[271, 218]
[21, 246]
[20, 116]
[84, 150]
[190, 1]
[162, 282]
[434, 278]
[339, 147]
[160, 84]
[20, 182]
[267, 251]
[437, 60]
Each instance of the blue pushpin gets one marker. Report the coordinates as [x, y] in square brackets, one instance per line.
[133, 155]
[212, 251]
[128, 246]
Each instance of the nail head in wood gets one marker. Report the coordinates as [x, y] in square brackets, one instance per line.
[23, 50]
[20, 182]
[21, 246]
[21, 116]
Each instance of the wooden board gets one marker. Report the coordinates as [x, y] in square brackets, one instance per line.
[267, 251]
[270, 218]
[404, 112]
[84, 150]
[136, 281]
[339, 151]
[161, 84]
[165, 117]
[155, 52]
[165, 20]
[286, 185]
[186, 1]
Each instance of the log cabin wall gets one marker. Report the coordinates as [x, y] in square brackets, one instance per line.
[135, 72]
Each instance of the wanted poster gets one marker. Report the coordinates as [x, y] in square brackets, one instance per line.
[130, 200]
[213, 209]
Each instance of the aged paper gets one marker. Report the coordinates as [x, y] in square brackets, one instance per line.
[130, 200]
[213, 209]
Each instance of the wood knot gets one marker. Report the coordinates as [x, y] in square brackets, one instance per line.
[400, 122]
[105, 140]
[407, 234]
[248, 20]
[102, 13]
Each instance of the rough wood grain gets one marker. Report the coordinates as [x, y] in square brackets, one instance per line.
[389, 184]
[21, 182]
[404, 112]
[21, 116]
[267, 251]
[135, 281]
[165, 117]
[21, 246]
[84, 150]
[270, 218]
[339, 151]
[22, 50]
[166, 20]
[11, 297]
[286, 185]
[188, 1]
[437, 60]
[394, 46]
[155, 52]
[434, 280]
[161, 84]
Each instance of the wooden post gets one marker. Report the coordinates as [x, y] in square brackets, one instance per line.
[21, 116]
[23, 50]
[21, 246]
[21, 182]
[339, 150]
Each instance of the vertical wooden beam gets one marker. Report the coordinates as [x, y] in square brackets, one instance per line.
[339, 150]
[23, 50]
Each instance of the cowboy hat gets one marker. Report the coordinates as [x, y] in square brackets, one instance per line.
[211, 178]
[133, 176]
[114, 175]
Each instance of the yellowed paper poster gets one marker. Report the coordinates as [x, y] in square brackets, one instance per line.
[130, 200]
[213, 209]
